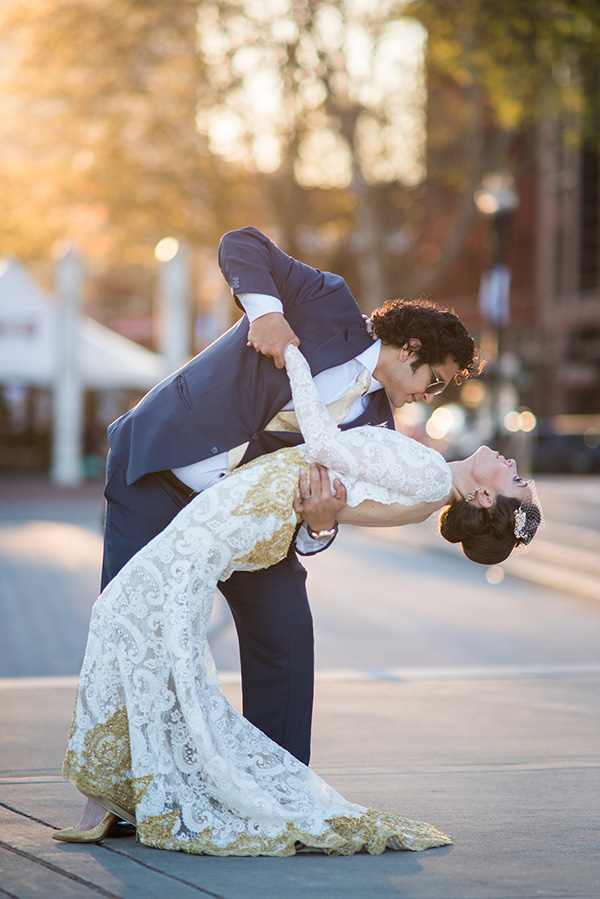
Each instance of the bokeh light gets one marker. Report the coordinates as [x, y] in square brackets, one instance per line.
[521, 420]
[591, 437]
[494, 574]
[445, 421]
[472, 394]
[166, 249]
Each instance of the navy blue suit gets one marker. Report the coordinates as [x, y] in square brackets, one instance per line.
[222, 398]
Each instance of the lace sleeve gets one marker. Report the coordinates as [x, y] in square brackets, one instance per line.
[320, 432]
[402, 470]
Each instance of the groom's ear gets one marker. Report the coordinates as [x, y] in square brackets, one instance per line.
[410, 349]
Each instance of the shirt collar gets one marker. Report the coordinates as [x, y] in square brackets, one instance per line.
[369, 358]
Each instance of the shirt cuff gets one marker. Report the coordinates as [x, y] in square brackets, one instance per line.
[257, 304]
[305, 545]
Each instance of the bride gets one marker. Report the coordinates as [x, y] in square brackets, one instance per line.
[154, 740]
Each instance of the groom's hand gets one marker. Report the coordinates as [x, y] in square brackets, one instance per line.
[317, 505]
[270, 334]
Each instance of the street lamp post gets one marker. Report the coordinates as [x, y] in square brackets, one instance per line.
[174, 291]
[67, 430]
[497, 199]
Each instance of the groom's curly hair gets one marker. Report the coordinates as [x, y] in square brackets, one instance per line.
[440, 331]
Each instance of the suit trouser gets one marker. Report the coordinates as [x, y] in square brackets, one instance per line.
[269, 607]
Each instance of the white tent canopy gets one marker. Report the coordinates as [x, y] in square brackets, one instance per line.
[29, 345]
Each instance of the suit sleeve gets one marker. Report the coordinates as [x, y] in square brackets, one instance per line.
[252, 263]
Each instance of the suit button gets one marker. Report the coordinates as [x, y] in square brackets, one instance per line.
[214, 450]
[256, 436]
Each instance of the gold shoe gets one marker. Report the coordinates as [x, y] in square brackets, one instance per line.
[117, 810]
[95, 835]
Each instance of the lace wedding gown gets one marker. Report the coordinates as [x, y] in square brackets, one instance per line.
[152, 731]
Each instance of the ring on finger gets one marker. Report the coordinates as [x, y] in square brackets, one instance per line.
[304, 498]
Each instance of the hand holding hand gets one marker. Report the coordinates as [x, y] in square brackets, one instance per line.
[317, 505]
[270, 334]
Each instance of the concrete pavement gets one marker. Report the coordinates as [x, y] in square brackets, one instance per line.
[565, 554]
[508, 766]
[504, 759]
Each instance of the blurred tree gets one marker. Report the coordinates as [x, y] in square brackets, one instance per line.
[98, 142]
[499, 67]
[327, 96]
[527, 58]
[359, 129]
[402, 107]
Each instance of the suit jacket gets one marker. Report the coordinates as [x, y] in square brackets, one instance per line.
[227, 394]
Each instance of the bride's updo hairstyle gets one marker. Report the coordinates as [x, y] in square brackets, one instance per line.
[488, 536]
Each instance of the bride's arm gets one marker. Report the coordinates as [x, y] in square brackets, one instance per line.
[318, 429]
[408, 472]
[370, 514]
[321, 434]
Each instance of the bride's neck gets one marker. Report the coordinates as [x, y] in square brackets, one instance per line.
[461, 479]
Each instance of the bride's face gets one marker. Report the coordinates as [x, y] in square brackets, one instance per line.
[496, 474]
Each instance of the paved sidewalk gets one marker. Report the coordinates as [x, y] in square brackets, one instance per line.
[503, 759]
[565, 554]
[507, 765]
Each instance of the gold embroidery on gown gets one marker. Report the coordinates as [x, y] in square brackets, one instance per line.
[152, 730]
[272, 494]
[103, 767]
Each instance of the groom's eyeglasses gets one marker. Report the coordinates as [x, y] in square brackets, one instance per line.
[437, 384]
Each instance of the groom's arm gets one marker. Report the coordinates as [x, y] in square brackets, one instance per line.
[319, 508]
[270, 334]
[256, 267]
[252, 263]
[266, 282]
[318, 305]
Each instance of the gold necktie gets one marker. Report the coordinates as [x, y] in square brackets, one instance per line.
[338, 409]
[287, 421]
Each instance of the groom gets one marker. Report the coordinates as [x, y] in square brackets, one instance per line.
[232, 403]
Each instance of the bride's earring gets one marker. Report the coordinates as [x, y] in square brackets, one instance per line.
[470, 496]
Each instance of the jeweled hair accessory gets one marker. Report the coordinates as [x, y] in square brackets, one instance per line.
[471, 496]
[520, 522]
[529, 518]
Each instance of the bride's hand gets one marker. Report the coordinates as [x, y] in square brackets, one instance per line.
[317, 505]
[270, 334]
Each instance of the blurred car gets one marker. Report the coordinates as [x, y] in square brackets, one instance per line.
[567, 444]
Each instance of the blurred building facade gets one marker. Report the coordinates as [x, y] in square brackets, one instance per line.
[567, 275]
[553, 252]
[552, 330]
